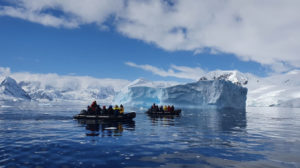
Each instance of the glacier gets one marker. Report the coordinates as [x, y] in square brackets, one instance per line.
[201, 94]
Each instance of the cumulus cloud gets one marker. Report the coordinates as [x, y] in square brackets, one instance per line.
[262, 31]
[62, 13]
[44, 19]
[182, 72]
[258, 30]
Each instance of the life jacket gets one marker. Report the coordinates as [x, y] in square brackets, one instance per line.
[122, 110]
[116, 108]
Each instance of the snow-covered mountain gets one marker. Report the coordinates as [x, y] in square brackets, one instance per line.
[10, 90]
[204, 94]
[50, 93]
[51, 87]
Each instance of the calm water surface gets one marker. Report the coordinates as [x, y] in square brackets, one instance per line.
[49, 137]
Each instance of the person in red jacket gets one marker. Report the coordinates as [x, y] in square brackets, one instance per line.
[93, 106]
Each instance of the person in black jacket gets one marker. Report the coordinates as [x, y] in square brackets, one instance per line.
[104, 110]
[110, 110]
[98, 110]
[161, 109]
[172, 109]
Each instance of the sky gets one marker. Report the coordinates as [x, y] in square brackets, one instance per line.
[154, 39]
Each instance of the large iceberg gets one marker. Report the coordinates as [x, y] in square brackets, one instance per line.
[201, 94]
[141, 92]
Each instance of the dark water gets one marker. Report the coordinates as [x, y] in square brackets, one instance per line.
[49, 137]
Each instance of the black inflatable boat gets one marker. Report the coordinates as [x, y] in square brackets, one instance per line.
[123, 117]
[152, 112]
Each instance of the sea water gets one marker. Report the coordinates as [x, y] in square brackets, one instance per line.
[47, 136]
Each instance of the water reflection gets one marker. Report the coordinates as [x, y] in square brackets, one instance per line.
[214, 119]
[220, 120]
[230, 119]
[106, 128]
[209, 132]
[166, 120]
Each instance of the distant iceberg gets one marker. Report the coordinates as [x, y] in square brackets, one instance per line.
[202, 94]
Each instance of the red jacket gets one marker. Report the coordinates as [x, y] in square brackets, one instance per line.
[93, 106]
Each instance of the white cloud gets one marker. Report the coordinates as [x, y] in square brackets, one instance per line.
[65, 81]
[74, 12]
[44, 19]
[4, 71]
[264, 31]
[182, 72]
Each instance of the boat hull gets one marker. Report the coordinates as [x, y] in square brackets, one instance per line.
[127, 116]
[175, 112]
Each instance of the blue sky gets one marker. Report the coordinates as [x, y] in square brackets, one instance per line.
[102, 48]
[31, 47]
